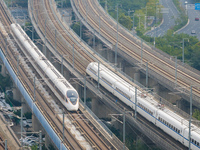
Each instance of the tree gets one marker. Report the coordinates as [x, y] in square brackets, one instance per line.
[125, 21]
[5, 82]
[196, 114]
[195, 56]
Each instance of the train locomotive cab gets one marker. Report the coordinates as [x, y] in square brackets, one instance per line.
[72, 97]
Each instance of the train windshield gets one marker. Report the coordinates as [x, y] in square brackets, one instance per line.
[73, 96]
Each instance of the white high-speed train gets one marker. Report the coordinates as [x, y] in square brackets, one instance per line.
[162, 117]
[70, 96]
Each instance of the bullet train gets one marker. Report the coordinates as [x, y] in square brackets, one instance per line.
[158, 114]
[70, 96]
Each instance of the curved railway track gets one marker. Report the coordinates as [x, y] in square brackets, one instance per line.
[40, 102]
[81, 64]
[62, 47]
[94, 139]
[127, 43]
[60, 29]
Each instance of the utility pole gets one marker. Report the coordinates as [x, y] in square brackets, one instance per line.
[73, 56]
[124, 146]
[135, 102]
[146, 74]
[183, 50]
[190, 117]
[176, 71]
[117, 39]
[98, 73]
[40, 134]
[84, 91]
[45, 38]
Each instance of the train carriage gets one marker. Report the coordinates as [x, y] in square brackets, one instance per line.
[70, 96]
[162, 117]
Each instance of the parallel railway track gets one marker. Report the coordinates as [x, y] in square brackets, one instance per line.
[2, 144]
[41, 102]
[81, 61]
[156, 62]
[67, 37]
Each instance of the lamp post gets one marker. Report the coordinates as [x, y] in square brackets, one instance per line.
[183, 50]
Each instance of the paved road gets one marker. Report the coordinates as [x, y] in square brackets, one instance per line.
[193, 25]
[168, 19]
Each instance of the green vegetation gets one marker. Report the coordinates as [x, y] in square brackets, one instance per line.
[36, 147]
[15, 119]
[29, 32]
[196, 114]
[170, 43]
[141, 8]
[22, 3]
[28, 115]
[76, 28]
[4, 82]
[182, 20]
[133, 142]
[65, 3]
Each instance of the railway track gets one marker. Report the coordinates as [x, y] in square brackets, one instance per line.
[41, 103]
[131, 47]
[2, 145]
[55, 22]
[61, 46]
[94, 138]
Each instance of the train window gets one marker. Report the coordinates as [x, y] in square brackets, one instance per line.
[178, 131]
[92, 70]
[158, 118]
[192, 140]
[106, 81]
[73, 96]
[197, 143]
[122, 93]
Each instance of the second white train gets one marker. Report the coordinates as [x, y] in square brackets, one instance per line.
[162, 117]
